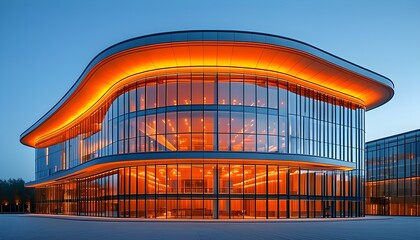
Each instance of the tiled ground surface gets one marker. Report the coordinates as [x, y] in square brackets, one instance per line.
[63, 228]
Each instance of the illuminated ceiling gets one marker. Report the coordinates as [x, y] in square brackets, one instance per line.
[103, 77]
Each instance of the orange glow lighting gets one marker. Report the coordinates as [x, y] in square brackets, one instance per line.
[208, 56]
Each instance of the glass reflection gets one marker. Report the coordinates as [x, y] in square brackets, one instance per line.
[187, 191]
[228, 112]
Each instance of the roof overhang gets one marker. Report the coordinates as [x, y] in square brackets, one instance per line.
[208, 51]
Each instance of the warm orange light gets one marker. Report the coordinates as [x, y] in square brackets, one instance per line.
[208, 56]
[89, 171]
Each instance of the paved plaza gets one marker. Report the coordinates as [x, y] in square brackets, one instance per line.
[32, 226]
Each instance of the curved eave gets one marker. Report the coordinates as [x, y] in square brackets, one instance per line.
[103, 164]
[227, 50]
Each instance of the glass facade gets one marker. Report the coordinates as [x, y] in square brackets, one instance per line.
[393, 175]
[211, 112]
[210, 190]
[208, 124]
[221, 112]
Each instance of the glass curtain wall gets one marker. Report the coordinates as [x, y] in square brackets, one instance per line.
[393, 175]
[211, 112]
[213, 190]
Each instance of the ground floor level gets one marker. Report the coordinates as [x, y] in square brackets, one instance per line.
[393, 205]
[393, 197]
[207, 191]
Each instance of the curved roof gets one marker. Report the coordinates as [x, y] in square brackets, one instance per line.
[218, 51]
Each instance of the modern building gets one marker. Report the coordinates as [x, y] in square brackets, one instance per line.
[393, 175]
[208, 124]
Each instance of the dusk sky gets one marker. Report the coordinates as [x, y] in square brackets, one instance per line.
[45, 46]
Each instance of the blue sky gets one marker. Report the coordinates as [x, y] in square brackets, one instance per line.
[45, 46]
